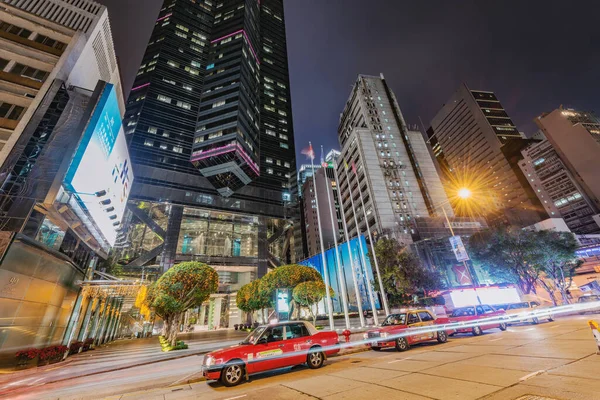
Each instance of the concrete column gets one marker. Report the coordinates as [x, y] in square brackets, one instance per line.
[202, 314]
[217, 312]
[116, 316]
[103, 320]
[92, 307]
[97, 311]
[107, 321]
[85, 312]
[69, 332]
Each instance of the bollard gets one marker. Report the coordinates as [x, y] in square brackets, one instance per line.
[596, 333]
[347, 334]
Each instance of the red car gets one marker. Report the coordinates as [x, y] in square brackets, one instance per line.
[270, 347]
[469, 315]
[396, 330]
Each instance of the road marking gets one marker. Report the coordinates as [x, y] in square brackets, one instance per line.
[495, 340]
[395, 361]
[236, 397]
[531, 375]
[530, 329]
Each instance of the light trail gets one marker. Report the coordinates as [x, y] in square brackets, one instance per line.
[451, 326]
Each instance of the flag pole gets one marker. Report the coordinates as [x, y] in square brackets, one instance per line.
[362, 250]
[347, 237]
[383, 296]
[335, 228]
[323, 261]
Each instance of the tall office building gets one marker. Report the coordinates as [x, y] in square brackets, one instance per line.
[395, 174]
[473, 138]
[209, 125]
[563, 167]
[64, 174]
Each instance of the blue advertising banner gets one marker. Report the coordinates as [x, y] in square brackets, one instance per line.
[352, 260]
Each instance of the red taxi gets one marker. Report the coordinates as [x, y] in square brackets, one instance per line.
[401, 330]
[270, 347]
[471, 314]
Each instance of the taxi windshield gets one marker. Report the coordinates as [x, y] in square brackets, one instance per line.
[395, 319]
[254, 335]
[588, 299]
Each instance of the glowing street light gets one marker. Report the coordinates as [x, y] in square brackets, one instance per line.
[464, 193]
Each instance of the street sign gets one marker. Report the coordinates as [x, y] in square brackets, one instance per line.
[459, 248]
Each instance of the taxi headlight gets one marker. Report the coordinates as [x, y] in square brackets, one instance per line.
[365, 335]
[209, 360]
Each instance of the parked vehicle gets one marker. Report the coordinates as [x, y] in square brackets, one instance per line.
[590, 298]
[397, 330]
[271, 347]
[514, 310]
[471, 314]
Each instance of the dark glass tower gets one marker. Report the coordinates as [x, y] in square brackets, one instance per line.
[209, 125]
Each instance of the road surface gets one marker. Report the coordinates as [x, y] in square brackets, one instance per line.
[556, 360]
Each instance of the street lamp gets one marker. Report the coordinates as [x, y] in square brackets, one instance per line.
[464, 193]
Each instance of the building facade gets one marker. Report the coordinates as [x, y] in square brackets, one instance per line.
[557, 188]
[209, 127]
[59, 216]
[575, 137]
[387, 163]
[469, 138]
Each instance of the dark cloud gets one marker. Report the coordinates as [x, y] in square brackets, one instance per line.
[534, 54]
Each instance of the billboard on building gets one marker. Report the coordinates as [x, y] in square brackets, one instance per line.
[100, 174]
[349, 260]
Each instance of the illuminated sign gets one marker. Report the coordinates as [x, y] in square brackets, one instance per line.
[459, 248]
[463, 225]
[352, 260]
[100, 174]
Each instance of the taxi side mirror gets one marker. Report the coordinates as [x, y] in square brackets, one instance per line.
[262, 341]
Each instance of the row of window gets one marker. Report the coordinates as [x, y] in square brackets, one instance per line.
[10, 111]
[182, 104]
[162, 146]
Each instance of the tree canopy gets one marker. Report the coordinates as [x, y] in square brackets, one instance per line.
[309, 293]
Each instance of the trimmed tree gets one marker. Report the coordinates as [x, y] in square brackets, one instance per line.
[182, 287]
[307, 294]
[287, 276]
[249, 299]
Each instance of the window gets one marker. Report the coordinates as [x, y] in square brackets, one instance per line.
[479, 310]
[192, 71]
[425, 316]
[29, 72]
[274, 334]
[286, 164]
[152, 129]
[163, 146]
[10, 111]
[164, 99]
[218, 104]
[15, 30]
[149, 143]
[181, 34]
[487, 309]
[413, 318]
[284, 145]
[196, 64]
[187, 87]
[269, 160]
[184, 105]
[282, 136]
[178, 149]
[270, 132]
[173, 64]
[294, 331]
[269, 170]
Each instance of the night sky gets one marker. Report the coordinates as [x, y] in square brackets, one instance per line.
[536, 55]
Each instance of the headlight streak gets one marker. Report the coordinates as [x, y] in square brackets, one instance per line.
[451, 326]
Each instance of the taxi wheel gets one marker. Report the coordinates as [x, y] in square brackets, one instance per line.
[232, 374]
[315, 359]
[442, 337]
[550, 318]
[402, 344]
[376, 348]
[503, 326]
[477, 331]
[535, 320]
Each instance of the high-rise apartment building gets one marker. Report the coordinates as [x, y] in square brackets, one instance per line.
[210, 131]
[563, 167]
[473, 138]
[388, 164]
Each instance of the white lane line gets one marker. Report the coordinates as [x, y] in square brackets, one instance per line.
[530, 329]
[531, 375]
[236, 397]
[395, 361]
[495, 340]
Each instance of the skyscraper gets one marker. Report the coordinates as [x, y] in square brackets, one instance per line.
[210, 131]
[473, 138]
[389, 164]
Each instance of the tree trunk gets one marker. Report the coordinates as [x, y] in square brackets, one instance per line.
[550, 291]
[166, 327]
[174, 330]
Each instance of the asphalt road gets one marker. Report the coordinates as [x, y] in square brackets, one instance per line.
[556, 360]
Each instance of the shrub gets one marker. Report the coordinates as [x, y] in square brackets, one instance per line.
[74, 347]
[52, 352]
[27, 354]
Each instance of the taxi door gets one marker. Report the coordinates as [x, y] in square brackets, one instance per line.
[268, 353]
[427, 320]
[413, 321]
[298, 341]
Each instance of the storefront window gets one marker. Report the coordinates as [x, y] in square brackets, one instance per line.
[218, 234]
